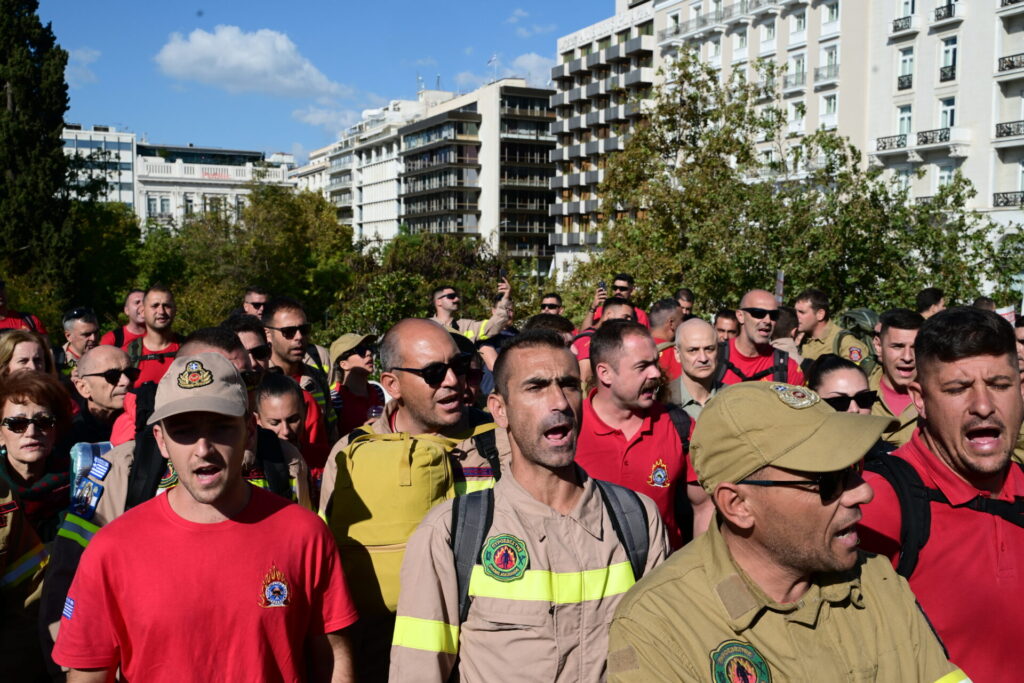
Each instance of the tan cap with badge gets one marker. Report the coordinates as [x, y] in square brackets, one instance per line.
[752, 425]
[347, 342]
[200, 383]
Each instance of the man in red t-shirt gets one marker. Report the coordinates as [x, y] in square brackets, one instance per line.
[969, 573]
[622, 288]
[136, 326]
[895, 372]
[217, 579]
[14, 320]
[753, 356]
[627, 437]
[153, 352]
[665, 316]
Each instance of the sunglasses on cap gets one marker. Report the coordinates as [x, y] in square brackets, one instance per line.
[79, 313]
[864, 400]
[18, 425]
[261, 352]
[449, 295]
[113, 375]
[360, 350]
[290, 331]
[830, 485]
[759, 313]
[549, 307]
[435, 373]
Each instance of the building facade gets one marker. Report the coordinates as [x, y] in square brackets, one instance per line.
[312, 176]
[112, 155]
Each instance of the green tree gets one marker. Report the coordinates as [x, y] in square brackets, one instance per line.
[721, 195]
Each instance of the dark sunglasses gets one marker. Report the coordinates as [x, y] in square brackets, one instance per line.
[290, 331]
[617, 288]
[450, 295]
[549, 307]
[79, 313]
[360, 350]
[261, 352]
[257, 304]
[830, 484]
[759, 313]
[863, 399]
[435, 373]
[113, 375]
[18, 425]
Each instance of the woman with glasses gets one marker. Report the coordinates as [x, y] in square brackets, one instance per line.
[34, 414]
[841, 384]
[354, 397]
[22, 350]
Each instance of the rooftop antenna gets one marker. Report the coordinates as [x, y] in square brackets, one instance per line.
[419, 83]
[438, 85]
[493, 61]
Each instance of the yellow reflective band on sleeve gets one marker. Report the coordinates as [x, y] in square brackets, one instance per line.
[426, 634]
[24, 566]
[77, 529]
[557, 588]
[464, 487]
[957, 676]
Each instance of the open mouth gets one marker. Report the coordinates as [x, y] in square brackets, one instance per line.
[984, 438]
[450, 403]
[848, 537]
[558, 435]
[206, 474]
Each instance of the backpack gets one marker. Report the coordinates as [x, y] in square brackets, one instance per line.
[386, 484]
[915, 506]
[135, 355]
[859, 323]
[472, 515]
[779, 370]
[30, 322]
[118, 333]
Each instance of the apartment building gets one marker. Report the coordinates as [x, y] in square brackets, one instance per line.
[478, 164]
[605, 72]
[312, 176]
[114, 154]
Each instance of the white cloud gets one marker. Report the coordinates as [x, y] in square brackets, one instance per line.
[517, 14]
[263, 61]
[535, 29]
[535, 68]
[77, 71]
[333, 120]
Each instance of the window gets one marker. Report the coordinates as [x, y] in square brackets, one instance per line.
[947, 112]
[903, 178]
[831, 12]
[165, 205]
[831, 56]
[800, 22]
[1020, 179]
[945, 175]
[905, 119]
[715, 47]
[907, 7]
[949, 51]
[829, 105]
[695, 12]
[150, 205]
[797, 64]
[768, 31]
[796, 111]
[907, 61]
[190, 205]
[741, 40]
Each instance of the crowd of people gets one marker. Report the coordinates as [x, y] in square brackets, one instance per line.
[766, 493]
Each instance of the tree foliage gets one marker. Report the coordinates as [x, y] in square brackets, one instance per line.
[700, 201]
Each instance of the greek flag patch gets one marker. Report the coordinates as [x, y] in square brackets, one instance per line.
[69, 608]
[99, 468]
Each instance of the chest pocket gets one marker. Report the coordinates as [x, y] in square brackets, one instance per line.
[491, 619]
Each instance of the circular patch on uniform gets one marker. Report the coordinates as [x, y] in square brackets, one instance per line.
[795, 397]
[734, 661]
[856, 355]
[504, 557]
[659, 475]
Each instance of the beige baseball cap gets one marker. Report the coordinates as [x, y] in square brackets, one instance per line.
[200, 382]
[751, 425]
[347, 342]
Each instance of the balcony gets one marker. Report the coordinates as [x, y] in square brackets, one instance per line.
[1009, 134]
[947, 73]
[1010, 68]
[1004, 200]
[891, 143]
[794, 127]
[952, 141]
[828, 121]
[905, 81]
[948, 14]
[672, 32]
[577, 66]
[794, 83]
[640, 44]
[641, 76]
[1010, 8]
[827, 75]
[905, 26]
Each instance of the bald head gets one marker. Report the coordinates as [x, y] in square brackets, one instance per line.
[759, 298]
[397, 343]
[695, 330]
[100, 358]
[697, 350]
[757, 316]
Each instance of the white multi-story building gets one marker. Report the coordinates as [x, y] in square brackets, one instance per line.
[115, 159]
[312, 176]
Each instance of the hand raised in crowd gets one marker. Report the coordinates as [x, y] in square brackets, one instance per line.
[600, 294]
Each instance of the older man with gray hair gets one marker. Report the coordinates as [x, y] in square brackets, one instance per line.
[696, 350]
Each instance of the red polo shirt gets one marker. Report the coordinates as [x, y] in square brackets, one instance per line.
[641, 315]
[751, 365]
[652, 462]
[970, 574]
[668, 361]
[128, 337]
[13, 320]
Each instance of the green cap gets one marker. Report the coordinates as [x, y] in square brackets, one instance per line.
[751, 425]
[347, 342]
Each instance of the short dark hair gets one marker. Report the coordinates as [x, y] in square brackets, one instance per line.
[549, 321]
[255, 289]
[726, 314]
[817, 298]
[1018, 321]
[607, 341]
[217, 337]
[901, 319]
[964, 332]
[988, 303]
[280, 303]
[786, 323]
[276, 384]
[157, 287]
[685, 294]
[528, 339]
[613, 301]
[243, 322]
[134, 290]
[825, 365]
[625, 277]
[928, 297]
[661, 310]
[553, 295]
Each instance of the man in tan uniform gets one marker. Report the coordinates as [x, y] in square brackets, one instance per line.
[552, 568]
[445, 302]
[820, 334]
[777, 590]
[896, 369]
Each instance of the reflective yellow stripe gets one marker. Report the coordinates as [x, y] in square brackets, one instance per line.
[560, 589]
[957, 676]
[426, 634]
[77, 529]
[24, 566]
[464, 487]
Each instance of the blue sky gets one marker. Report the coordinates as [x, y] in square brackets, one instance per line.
[287, 76]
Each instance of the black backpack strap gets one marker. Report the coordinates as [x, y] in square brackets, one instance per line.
[780, 366]
[27, 317]
[134, 351]
[270, 457]
[487, 445]
[629, 519]
[119, 336]
[915, 511]
[681, 507]
[681, 420]
[581, 335]
[723, 361]
[724, 365]
[148, 465]
[471, 519]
